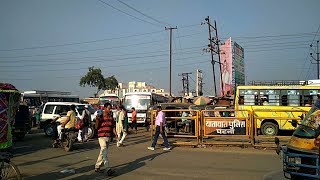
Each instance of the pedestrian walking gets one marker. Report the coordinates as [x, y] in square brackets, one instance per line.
[121, 126]
[160, 129]
[106, 131]
[86, 118]
[134, 119]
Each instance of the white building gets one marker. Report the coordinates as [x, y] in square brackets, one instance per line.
[134, 86]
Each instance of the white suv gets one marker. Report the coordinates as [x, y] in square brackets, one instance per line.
[53, 109]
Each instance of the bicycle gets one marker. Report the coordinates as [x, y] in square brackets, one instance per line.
[8, 170]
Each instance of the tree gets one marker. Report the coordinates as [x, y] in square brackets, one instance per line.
[111, 83]
[94, 78]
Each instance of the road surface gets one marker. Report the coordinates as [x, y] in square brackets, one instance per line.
[37, 160]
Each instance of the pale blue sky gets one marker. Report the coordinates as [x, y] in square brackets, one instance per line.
[49, 45]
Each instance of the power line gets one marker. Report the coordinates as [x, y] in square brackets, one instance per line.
[69, 69]
[161, 22]
[99, 58]
[83, 42]
[127, 13]
[92, 61]
[309, 53]
[98, 49]
[91, 41]
[275, 43]
[271, 36]
[277, 49]
[125, 71]
[268, 40]
[89, 50]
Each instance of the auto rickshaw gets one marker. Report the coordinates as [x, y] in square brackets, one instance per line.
[301, 154]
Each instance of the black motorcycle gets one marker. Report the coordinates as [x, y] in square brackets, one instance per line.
[68, 138]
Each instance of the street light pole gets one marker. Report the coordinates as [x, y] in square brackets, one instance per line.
[170, 93]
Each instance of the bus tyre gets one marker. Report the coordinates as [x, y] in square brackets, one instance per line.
[269, 129]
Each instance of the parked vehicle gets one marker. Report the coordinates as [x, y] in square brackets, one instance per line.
[52, 109]
[22, 122]
[301, 154]
[273, 96]
[142, 101]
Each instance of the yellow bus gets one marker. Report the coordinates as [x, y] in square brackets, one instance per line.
[268, 100]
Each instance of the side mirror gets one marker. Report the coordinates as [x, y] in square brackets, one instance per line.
[294, 123]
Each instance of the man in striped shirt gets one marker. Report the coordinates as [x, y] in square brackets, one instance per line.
[106, 131]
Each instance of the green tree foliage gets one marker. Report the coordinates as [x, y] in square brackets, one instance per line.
[94, 78]
[111, 83]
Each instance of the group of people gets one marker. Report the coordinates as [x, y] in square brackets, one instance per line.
[108, 128]
[69, 121]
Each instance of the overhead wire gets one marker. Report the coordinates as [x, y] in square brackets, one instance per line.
[142, 20]
[124, 71]
[144, 14]
[92, 50]
[309, 49]
[108, 66]
[94, 60]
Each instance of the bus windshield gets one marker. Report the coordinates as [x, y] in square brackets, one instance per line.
[113, 100]
[139, 102]
[309, 127]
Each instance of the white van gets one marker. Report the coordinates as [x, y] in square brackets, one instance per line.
[53, 109]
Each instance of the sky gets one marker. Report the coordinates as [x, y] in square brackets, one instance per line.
[49, 45]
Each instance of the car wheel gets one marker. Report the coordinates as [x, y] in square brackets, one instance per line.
[90, 132]
[269, 129]
[48, 130]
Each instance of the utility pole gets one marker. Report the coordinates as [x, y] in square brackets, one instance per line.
[212, 61]
[170, 28]
[217, 43]
[318, 60]
[214, 49]
[199, 84]
[185, 83]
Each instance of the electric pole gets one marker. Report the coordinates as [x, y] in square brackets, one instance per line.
[199, 84]
[214, 49]
[217, 43]
[170, 28]
[185, 83]
[212, 61]
[318, 60]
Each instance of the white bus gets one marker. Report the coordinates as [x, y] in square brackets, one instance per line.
[142, 101]
[113, 99]
[38, 98]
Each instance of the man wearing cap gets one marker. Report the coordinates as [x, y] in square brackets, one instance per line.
[86, 118]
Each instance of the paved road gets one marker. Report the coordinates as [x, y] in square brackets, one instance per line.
[37, 160]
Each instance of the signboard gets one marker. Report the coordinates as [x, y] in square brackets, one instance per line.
[238, 73]
[226, 67]
[225, 126]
